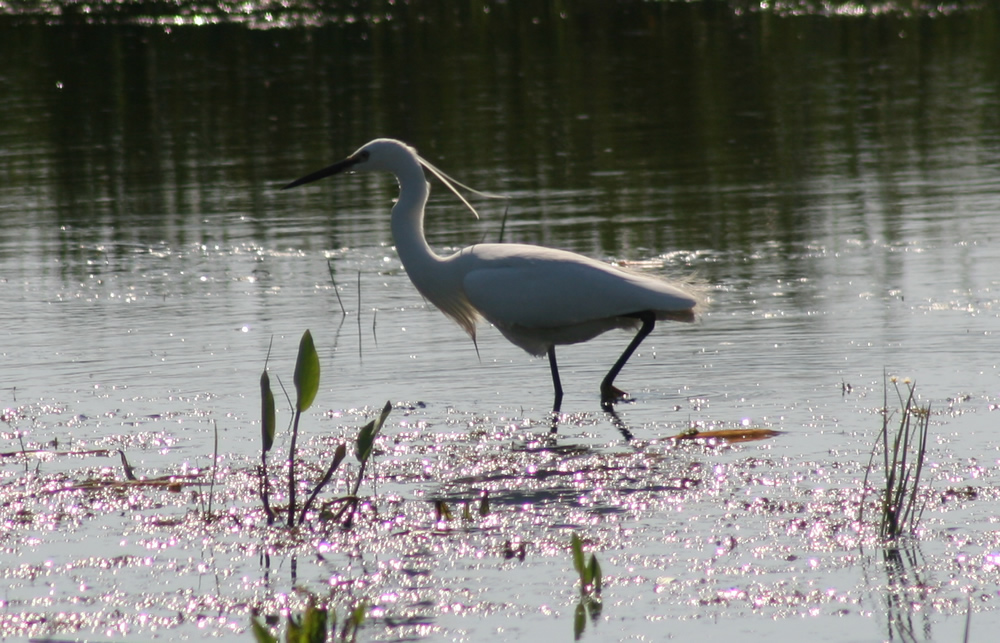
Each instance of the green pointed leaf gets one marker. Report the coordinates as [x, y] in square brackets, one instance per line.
[579, 621]
[268, 420]
[359, 614]
[576, 545]
[338, 457]
[314, 625]
[484, 504]
[595, 574]
[382, 416]
[260, 632]
[306, 373]
[293, 633]
[366, 440]
[368, 433]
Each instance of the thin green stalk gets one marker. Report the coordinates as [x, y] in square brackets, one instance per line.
[291, 470]
[338, 457]
[268, 428]
[903, 456]
[306, 380]
[215, 468]
[329, 266]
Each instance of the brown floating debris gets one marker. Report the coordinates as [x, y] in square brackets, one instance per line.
[728, 435]
[101, 452]
[172, 483]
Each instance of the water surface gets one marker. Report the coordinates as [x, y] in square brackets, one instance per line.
[833, 179]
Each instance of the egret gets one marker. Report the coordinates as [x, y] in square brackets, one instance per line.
[537, 297]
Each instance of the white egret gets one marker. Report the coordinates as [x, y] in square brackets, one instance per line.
[536, 297]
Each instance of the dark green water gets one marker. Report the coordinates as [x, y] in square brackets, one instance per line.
[680, 125]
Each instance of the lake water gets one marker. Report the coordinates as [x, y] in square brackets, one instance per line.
[833, 178]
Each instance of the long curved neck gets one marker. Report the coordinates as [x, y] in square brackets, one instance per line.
[408, 223]
[438, 279]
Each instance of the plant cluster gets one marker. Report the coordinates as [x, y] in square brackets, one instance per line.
[590, 587]
[306, 379]
[901, 502]
[316, 623]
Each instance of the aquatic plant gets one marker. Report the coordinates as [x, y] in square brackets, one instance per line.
[311, 626]
[206, 504]
[590, 587]
[901, 503]
[363, 450]
[306, 378]
[268, 421]
[314, 625]
[353, 621]
[338, 457]
[333, 280]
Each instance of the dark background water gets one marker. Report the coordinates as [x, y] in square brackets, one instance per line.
[666, 125]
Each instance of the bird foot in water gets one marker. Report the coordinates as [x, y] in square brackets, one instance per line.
[611, 394]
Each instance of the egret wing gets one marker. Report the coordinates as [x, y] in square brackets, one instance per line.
[551, 289]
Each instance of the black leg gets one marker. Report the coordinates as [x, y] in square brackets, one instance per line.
[610, 394]
[556, 384]
[619, 423]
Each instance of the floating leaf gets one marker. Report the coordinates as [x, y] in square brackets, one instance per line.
[268, 419]
[723, 436]
[306, 373]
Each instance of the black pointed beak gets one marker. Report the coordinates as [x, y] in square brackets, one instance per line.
[336, 168]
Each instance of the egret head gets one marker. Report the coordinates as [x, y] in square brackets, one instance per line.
[380, 155]
[395, 157]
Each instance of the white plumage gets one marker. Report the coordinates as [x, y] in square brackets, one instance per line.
[537, 297]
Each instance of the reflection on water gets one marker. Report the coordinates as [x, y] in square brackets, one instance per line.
[690, 128]
[834, 178]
